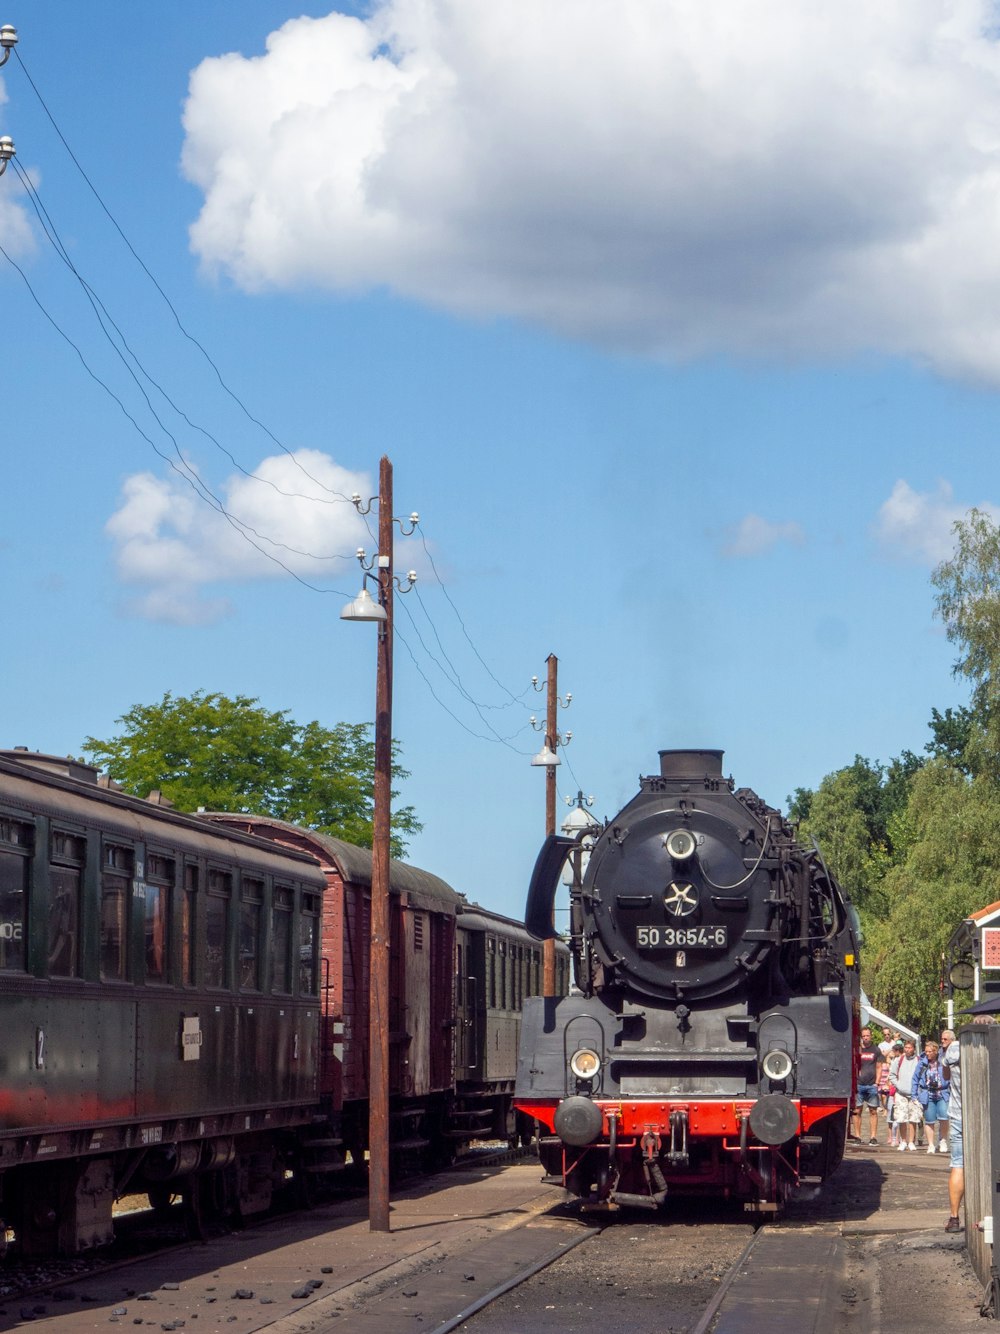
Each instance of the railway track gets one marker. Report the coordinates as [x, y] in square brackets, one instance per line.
[487, 1251]
[142, 1235]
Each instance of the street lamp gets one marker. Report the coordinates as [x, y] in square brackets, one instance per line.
[365, 608]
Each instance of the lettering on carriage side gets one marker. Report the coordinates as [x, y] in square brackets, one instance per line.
[191, 1038]
[45, 1148]
[151, 1135]
[10, 931]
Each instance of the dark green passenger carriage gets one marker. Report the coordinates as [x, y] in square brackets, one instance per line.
[159, 1000]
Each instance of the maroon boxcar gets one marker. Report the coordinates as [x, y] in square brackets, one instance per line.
[423, 911]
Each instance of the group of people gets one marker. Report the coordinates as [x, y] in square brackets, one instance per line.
[914, 1091]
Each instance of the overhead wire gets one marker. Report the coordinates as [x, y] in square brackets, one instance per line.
[185, 470]
[102, 314]
[495, 735]
[188, 477]
[170, 305]
[514, 698]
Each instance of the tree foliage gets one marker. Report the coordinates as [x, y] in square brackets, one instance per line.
[968, 603]
[932, 828]
[231, 754]
[950, 867]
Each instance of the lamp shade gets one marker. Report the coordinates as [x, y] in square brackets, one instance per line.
[546, 758]
[363, 608]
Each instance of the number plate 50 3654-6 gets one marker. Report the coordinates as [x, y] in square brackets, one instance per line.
[686, 937]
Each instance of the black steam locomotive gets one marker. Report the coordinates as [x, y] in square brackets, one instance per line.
[707, 1048]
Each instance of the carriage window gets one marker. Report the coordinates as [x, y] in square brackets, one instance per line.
[69, 852]
[187, 924]
[16, 842]
[220, 891]
[281, 937]
[308, 941]
[251, 906]
[116, 880]
[159, 890]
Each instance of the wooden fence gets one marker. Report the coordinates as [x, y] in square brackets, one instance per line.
[980, 1046]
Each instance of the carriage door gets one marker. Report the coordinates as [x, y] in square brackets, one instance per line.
[465, 1008]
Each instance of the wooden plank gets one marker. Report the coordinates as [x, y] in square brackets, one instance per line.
[791, 1281]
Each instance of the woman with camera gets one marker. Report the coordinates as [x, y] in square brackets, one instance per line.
[931, 1089]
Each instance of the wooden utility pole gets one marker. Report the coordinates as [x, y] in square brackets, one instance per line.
[378, 1011]
[552, 741]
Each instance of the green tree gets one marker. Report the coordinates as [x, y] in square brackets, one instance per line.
[837, 822]
[949, 866]
[234, 755]
[951, 731]
[968, 603]
[799, 803]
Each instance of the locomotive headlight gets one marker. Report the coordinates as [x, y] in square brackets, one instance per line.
[777, 1064]
[680, 844]
[585, 1063]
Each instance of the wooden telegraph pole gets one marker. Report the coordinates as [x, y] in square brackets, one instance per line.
[552, 741]
[378, 1016]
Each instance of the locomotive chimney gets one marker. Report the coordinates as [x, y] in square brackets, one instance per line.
[691, 763]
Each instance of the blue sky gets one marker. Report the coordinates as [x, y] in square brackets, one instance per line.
[677, 321]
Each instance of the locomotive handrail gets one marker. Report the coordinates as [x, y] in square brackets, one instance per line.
[753, 869]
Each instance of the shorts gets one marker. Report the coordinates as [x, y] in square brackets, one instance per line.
[866, 1096]
[906, 1110]
[955, 1143]
[936, 1110]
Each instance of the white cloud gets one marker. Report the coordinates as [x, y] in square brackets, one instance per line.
[918, 525]
[753, 536]
[675, 177]
[173, 545]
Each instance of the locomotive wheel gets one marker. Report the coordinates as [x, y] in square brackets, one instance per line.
[776, 1182]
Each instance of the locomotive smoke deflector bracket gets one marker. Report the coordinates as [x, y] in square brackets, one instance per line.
[544, 883]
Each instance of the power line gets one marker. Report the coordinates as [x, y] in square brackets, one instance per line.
[184, 469]
[495, 735]
[516, 699]
[191, 478]
[101, 313]
[170, 305]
